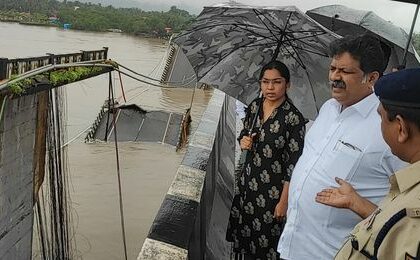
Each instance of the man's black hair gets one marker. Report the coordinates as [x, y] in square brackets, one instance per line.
[366, 48]
[412, 115]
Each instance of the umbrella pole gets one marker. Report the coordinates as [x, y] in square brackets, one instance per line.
[254, 120]
[244, 153]
[410, 35]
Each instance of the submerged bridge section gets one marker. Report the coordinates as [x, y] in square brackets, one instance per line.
[135, 124]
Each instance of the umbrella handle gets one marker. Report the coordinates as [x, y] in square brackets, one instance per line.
[254, 120]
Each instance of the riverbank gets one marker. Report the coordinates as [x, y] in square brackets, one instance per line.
[139, 35]
[28, 23]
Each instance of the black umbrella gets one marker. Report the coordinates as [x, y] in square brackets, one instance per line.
[227, 46]
[348, 21]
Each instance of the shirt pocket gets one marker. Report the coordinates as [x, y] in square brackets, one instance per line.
[342, 161]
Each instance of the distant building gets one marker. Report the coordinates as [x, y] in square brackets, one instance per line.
[168, 30]
[114, 30]
[53, 19]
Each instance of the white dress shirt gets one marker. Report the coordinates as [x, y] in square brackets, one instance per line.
[348, 145]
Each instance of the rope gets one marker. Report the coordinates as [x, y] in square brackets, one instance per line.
[111, 129]
[189, 79]
[3, 104]
[75, 138]
[109, 109]
[166, 129]
[122, 87]
[111, 97]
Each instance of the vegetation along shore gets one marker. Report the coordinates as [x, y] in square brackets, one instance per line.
[95, 17]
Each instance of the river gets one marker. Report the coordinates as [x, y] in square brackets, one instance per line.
[93, 181]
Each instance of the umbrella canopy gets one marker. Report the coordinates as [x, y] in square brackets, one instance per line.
[409, 1]
[227, 46]
[348, 21]
[410, 34]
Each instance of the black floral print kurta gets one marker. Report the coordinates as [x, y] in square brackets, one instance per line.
[279, 143]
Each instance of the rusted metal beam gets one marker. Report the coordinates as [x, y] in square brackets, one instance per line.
[37, 87]
[9, 67]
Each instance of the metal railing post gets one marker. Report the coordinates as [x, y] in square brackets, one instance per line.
[3, 68]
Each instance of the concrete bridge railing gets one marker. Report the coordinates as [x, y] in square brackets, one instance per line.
[192, 219]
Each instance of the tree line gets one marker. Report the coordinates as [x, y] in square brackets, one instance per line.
[95, 17]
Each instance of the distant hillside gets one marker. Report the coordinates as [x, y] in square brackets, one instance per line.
[147, 5]
[96, 17]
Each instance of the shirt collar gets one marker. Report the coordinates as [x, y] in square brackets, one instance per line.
[407, 177]
[364, 106]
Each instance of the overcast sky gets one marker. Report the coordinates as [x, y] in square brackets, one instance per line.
[399, 13]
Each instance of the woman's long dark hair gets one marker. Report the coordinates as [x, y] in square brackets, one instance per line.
[279, 66]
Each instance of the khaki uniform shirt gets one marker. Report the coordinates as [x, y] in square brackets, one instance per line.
[403, 239]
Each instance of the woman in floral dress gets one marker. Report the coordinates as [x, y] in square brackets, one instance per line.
[274, 146]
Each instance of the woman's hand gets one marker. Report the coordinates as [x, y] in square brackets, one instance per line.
[280, 211]
[246, 142]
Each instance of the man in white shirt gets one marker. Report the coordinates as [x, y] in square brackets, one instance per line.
[344, 142]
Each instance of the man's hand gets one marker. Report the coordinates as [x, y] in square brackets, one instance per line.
[246, 142]
[346, 196]
[341, 197]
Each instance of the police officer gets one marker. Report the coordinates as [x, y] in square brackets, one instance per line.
[392, 229]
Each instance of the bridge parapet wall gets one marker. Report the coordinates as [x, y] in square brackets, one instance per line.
[17, 139]
[192, 219]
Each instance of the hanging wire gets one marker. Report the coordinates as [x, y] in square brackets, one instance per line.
[122, 86]
[51, 210]
[41, 232]
[111, 102]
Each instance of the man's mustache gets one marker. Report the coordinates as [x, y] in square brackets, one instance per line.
[337, 84]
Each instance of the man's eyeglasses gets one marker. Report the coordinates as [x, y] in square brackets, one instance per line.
[275, 82]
